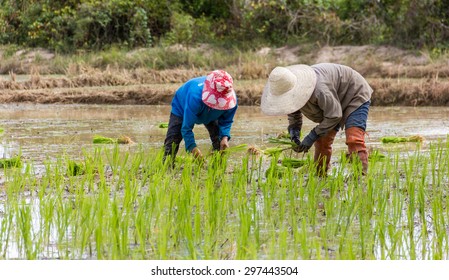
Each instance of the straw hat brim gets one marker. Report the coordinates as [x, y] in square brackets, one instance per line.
[294, 99]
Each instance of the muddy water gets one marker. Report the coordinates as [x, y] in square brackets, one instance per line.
[45, 131]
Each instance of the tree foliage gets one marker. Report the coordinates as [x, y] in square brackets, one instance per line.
[95, 24]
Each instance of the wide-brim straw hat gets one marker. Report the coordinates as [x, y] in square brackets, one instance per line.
[288, 89]
[218, 91]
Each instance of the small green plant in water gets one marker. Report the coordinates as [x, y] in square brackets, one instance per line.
[75, 168]
[106, 140]
[394, 139]
[163, 125]
[276, 171]
[293, 162]
[10, 162]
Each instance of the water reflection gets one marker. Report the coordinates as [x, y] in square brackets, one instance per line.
[39, 131]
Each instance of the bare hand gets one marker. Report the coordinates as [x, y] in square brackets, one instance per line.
[197, 154]
[224, 143]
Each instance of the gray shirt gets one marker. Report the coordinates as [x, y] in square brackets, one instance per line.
[338, 92]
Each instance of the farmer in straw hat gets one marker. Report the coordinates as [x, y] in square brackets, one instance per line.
[332, 95]
[208, 100]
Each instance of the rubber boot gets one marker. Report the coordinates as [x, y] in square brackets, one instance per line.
[323, 152]
[355, 139]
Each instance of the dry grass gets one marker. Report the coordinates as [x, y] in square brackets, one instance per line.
[410, 92]
[396, 77]
[387, 92]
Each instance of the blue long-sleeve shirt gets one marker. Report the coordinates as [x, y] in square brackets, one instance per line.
[187, 104]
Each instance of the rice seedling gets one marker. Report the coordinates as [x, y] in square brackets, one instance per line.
[237, 148]
[293, 162]
[163, 125]
[274, 151]
[130, 204]
[282, 141]
[395, 139]
[98, 139]
[11, 162]
[75, 168]
[253, 150]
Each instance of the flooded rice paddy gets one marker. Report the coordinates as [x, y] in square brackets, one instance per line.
[43, 131]
[141, 209]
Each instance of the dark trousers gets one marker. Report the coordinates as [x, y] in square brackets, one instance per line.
[174, 136]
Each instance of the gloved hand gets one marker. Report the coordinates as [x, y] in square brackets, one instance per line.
[294, 136]
[224, 143]
[307, 143]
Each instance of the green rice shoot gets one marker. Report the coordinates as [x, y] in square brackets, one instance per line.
[97, 139]
[11, 162]
[163, 125]
[396, 139]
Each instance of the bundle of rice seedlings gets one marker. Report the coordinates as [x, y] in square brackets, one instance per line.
[282, 142]
[253, 150]
[234, 149]
[293, 162]
[376, 155]
[10, 162]
[274, 151]
[103, 140]
[394, 139]
[275, 171]
[106, 140]
[1, 130]
[124, 140]
[163, 125]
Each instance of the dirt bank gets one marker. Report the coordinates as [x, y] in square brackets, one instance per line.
[398, 78]
[387, 92]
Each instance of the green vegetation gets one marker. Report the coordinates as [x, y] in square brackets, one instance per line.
[107, 140]
[293, 162]
[67, 26]
[129, 204]
[163, 125]
[10, 162]
[394, 139]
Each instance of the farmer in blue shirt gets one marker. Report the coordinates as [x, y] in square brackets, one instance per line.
[208, 100]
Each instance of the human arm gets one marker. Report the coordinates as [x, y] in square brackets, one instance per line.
[332, 114]
[191, 111]
[294, 126]
[224, 125]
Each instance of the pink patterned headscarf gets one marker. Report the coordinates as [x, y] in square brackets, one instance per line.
[218, 92]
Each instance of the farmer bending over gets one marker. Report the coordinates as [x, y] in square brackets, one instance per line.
[208, 100]
[332, 95]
